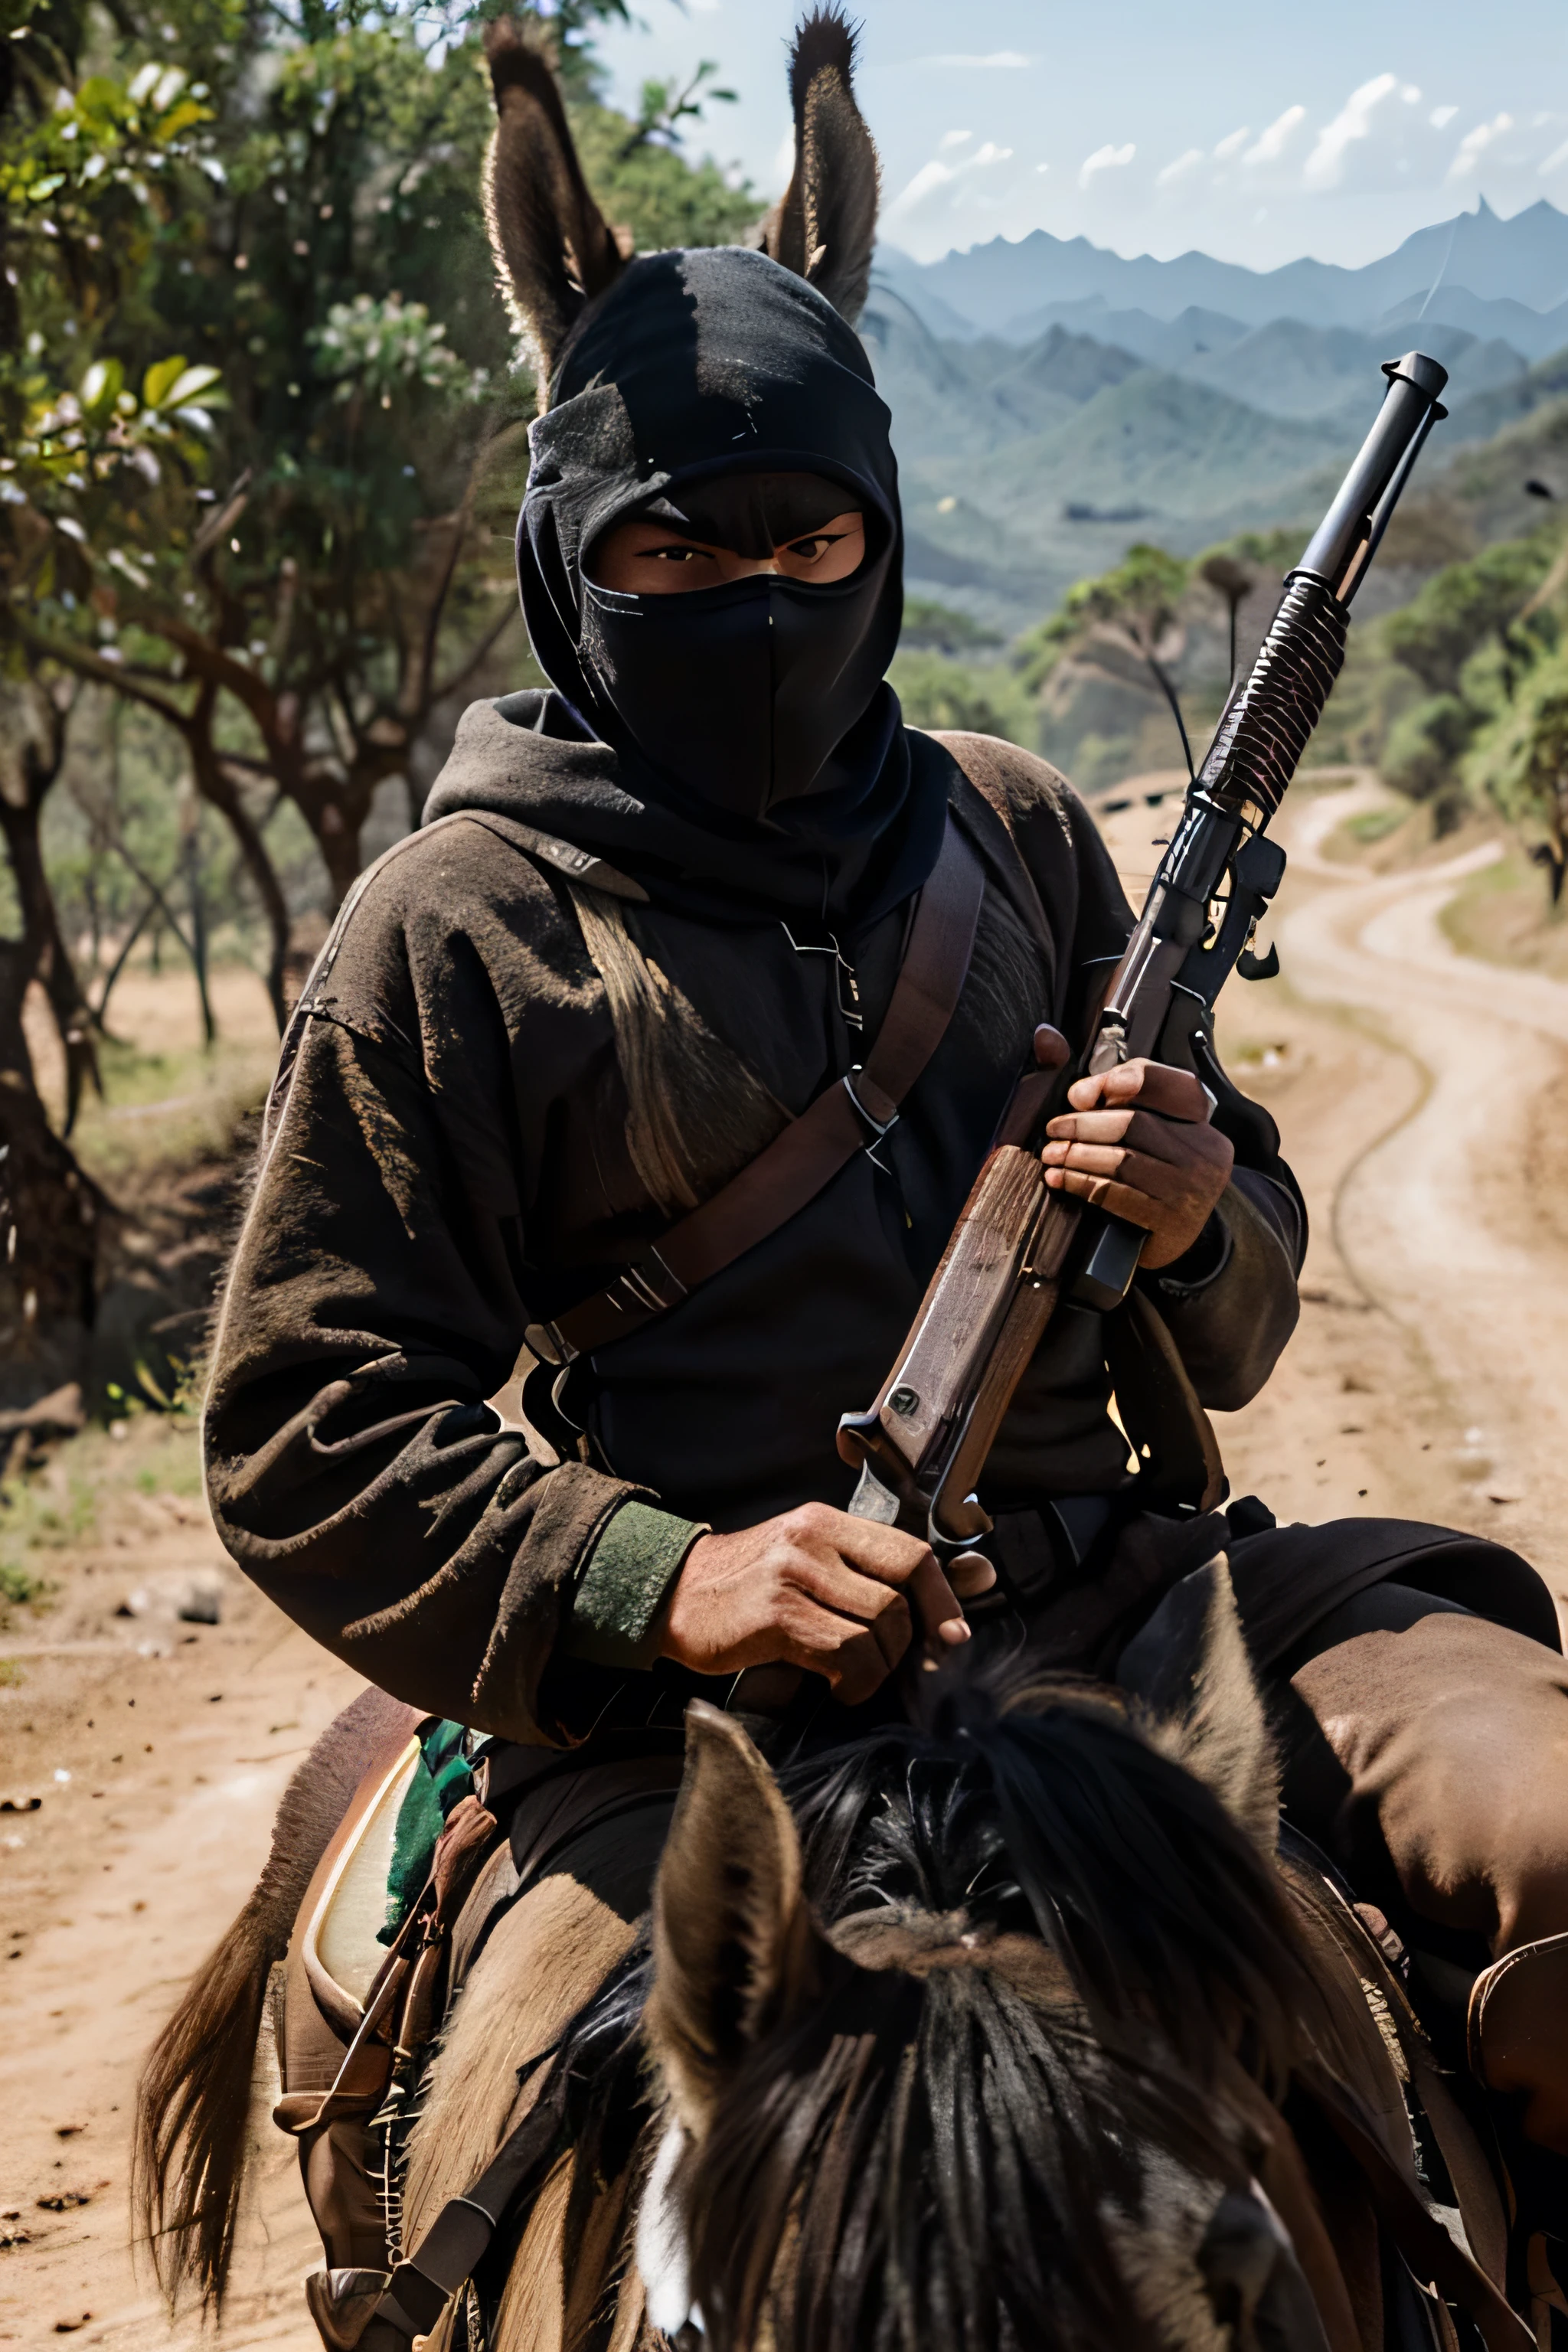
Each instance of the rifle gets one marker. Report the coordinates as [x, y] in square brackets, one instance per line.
[1018, 1249]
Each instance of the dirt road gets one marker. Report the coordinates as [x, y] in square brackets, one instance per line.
[1426, 1379]
[158, 1748]
[1423, 1382]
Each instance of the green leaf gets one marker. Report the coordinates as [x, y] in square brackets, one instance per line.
[160, 379]
[100, 388]
[190, 386]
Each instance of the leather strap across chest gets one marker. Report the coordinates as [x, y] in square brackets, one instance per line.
[808, 1153]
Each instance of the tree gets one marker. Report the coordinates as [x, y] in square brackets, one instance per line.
[1234, 581]
[1137, 605]
[263, 441]
[85, 166]
[1525, 766]
[1438, 632]
[302, 633]
[1425, 747]
[974, 698]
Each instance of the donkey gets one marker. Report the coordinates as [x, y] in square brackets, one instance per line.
[1007, 2028]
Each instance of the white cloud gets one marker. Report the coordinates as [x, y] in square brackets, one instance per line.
[929, 177]
[1181, 169]
[1555, 161]
[937, 175]
[1272, 143]
[1232, 144]
[1474, 145]
[1326, 164]
[993, 60]
[1411, 94]
[1105, 158]
[952, 139]
[1441, 116]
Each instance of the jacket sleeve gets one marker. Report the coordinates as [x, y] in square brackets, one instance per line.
[354, 1470]
[1231, 1303]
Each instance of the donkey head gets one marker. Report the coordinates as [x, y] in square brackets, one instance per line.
[555, 251]
[890, 2101]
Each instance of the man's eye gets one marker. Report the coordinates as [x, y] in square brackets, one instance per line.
[808, 549]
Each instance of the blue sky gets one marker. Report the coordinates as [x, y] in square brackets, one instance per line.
[1255, 131]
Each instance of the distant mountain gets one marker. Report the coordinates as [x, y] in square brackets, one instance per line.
[1001, 288]
[1286, 369]
[1024, 469]
[1162, 343]
[1180, 451]
[982, 394]
[1536, 333]
[1038, 439]
[1486, 413]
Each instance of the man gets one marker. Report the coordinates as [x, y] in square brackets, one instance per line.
[652, 914]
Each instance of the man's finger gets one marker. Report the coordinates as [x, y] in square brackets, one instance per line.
[836, 1585]
[1158, 1177]
[1177, 1144]
[840, 1648]
[1154, 1086]
[938, 1606]
[1120, 1200]
[856, 1669]
[970, 1575]
[886, 1553]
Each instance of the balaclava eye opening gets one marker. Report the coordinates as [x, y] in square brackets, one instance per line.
[743, 692]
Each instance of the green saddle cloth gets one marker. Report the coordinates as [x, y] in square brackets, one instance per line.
[445, 1781]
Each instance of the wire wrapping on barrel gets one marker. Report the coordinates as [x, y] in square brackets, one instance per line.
[1262, 736]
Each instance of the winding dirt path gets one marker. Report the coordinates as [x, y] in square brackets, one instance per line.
[1422, 1099]
[1445, 1223]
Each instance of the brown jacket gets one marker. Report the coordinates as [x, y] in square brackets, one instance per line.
[446, 1159]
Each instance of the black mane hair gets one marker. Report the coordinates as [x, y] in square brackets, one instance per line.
[932, 2160]
[935, 2156]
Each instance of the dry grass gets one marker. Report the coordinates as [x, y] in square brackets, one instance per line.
[168, 1100]
[1503, 916]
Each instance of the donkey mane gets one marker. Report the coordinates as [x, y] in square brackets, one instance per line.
[1052, 1977]
[942, 2147]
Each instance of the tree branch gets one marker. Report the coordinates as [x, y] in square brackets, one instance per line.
[476, 657]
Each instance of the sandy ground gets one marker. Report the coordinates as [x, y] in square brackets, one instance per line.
[159, 1748]
[1421, 1101]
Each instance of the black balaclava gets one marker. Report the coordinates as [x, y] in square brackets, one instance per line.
[760, 756]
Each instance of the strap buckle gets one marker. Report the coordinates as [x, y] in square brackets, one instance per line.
[879, 1127]
[648, 1286]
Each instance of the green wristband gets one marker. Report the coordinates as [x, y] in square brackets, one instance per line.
[615, 1609]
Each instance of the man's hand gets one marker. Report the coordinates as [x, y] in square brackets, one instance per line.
[814, 1589]
[1166, 1172]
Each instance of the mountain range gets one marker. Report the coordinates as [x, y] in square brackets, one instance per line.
[1053, 401]
[1477, 271]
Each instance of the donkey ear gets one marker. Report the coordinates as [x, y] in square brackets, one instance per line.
[734, 1948]
[825, 224]
[1217, 1728]
[553, 249]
